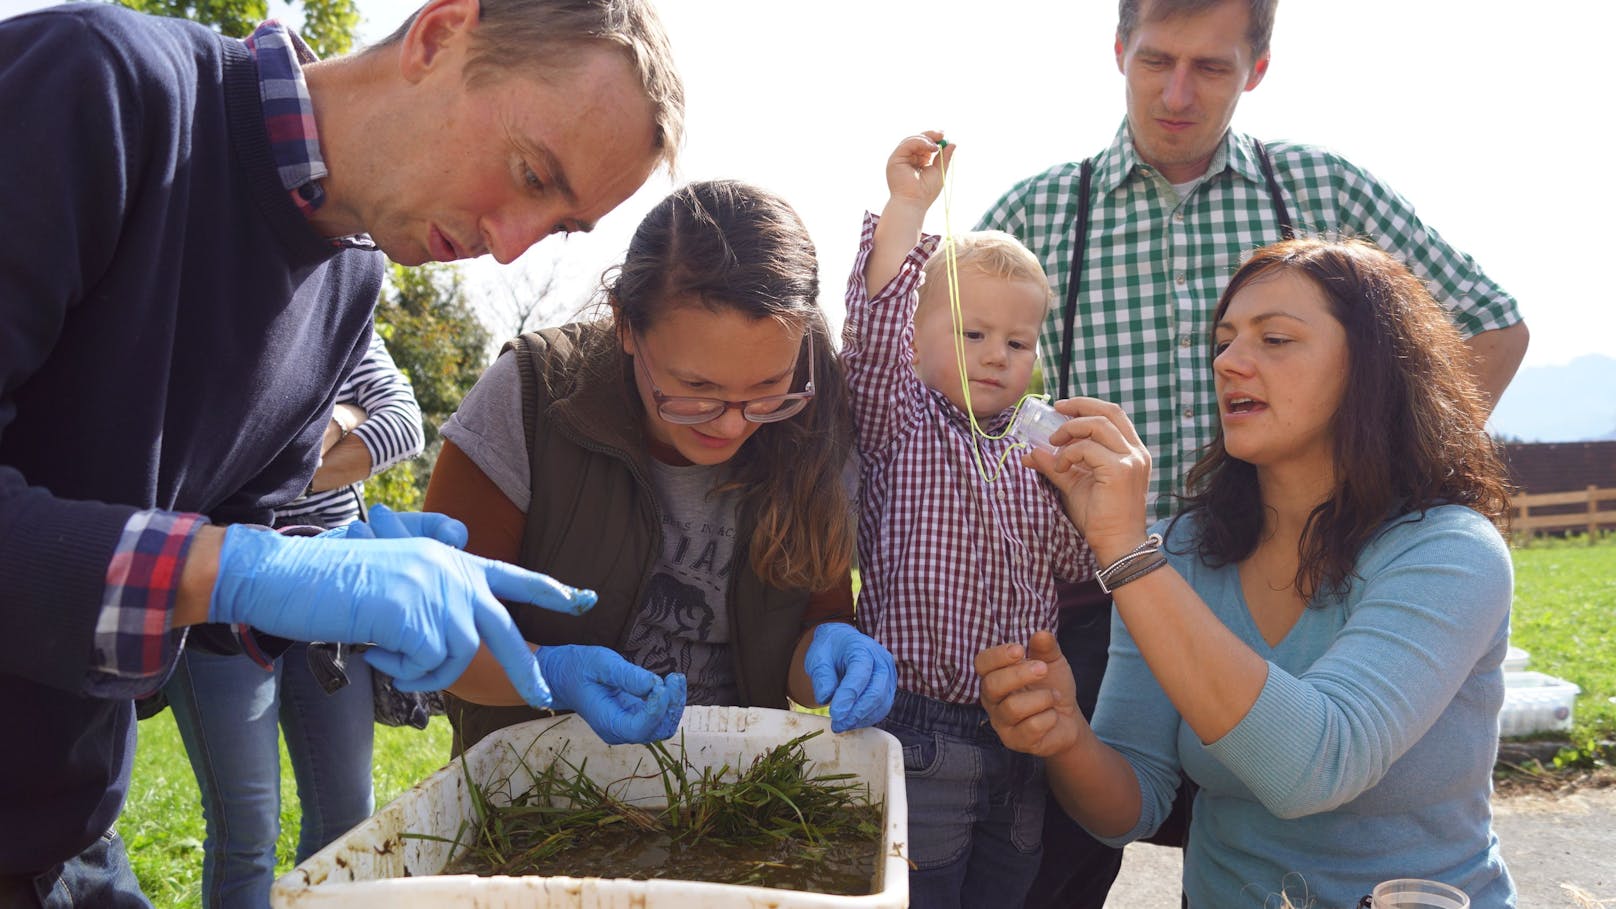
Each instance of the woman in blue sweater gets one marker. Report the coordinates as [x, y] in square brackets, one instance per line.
[1318, 641]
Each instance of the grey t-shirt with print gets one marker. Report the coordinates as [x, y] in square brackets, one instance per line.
[683, 625]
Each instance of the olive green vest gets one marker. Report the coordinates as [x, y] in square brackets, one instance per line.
[593, 520]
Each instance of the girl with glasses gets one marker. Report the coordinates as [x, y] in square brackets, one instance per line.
[684, 458]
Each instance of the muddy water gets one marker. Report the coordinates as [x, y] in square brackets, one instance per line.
[844, 867]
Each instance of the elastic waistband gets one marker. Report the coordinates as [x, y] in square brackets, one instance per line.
[965, 721]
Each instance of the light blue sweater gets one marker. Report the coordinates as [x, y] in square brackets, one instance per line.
[1369, 753]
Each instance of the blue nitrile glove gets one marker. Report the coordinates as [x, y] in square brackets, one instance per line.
[387, 524]
[852, 673]
[674, 682]
[422, 605]
[621, 701]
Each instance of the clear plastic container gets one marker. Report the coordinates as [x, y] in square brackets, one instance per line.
[1036, 422]
[374, 866]
[1410, 893]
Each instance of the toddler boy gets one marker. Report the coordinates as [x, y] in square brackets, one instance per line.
[951, 563]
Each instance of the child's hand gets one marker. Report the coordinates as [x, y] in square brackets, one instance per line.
[915, 169]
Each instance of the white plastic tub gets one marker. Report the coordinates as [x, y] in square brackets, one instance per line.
[1515, 659]
[373, 867]
[1536, 702]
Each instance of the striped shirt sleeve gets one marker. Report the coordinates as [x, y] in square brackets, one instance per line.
[391, 433]
[392, 427]
[135, 643]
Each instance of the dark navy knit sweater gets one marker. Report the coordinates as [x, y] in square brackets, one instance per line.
[172, 336]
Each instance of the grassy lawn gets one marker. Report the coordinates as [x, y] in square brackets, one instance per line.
[162, 821]
[1565, 616]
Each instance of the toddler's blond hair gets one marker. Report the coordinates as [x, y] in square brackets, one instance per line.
[990, 252]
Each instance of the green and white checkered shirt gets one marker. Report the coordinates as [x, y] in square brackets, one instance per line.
[1157, 263]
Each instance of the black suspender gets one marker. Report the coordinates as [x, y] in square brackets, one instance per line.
[1080, 249]
[1281, 213]
[1075, 277]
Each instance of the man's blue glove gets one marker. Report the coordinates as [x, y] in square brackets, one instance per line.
[852, 673]
[622, 702]
[387, 524]
[421, 604]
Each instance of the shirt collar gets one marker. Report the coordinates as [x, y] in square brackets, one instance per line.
[289, 119]
[1121, 160]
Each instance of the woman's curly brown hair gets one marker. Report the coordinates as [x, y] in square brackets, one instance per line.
[1409, 434]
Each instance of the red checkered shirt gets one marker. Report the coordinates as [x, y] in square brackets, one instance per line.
[950, 563]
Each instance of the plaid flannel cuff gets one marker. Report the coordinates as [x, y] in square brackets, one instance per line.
[135, 645]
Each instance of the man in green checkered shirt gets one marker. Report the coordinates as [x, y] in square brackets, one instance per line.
[1177, 201]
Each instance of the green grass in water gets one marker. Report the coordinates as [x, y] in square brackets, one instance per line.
[771, 824]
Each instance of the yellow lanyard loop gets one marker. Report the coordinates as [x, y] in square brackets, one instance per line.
[951, 264]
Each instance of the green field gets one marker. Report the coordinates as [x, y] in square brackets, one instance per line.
[162, 821]
[1565, 616]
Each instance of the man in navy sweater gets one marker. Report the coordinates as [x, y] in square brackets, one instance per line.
[191, 230]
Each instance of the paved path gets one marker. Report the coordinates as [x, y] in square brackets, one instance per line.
[1560, 849]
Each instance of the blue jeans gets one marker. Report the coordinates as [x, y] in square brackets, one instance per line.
[976, 809]
[97, 878]
[227, 708]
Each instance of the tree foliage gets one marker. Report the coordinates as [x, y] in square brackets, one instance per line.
[328, 25]
[436, 340]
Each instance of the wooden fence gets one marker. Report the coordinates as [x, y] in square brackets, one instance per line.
[1532, 515]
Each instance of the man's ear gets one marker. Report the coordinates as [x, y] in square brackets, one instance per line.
[439, 26]
[1118, 49]
[1258, 70]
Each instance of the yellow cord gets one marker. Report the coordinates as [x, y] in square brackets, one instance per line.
[952, 269]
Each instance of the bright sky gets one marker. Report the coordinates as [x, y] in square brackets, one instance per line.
[1456, 103]
[1463, 106]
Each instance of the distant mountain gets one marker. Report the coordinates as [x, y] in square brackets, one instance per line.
[1571, 403]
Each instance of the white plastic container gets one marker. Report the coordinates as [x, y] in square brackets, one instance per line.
[373, 867]
[1536, 702]
[1515, 659]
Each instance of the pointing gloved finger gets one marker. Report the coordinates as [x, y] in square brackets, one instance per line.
[499, 633]
[511, 583]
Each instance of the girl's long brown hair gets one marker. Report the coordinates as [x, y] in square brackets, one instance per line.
[730, 246]
[1409, 434]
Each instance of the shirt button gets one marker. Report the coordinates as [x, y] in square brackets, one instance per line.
[1180, 279]
[1184, 341]
[1178, 216]
[1189, 413]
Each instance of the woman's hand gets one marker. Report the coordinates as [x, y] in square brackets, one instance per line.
[1102, 470]
[1031, 697]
